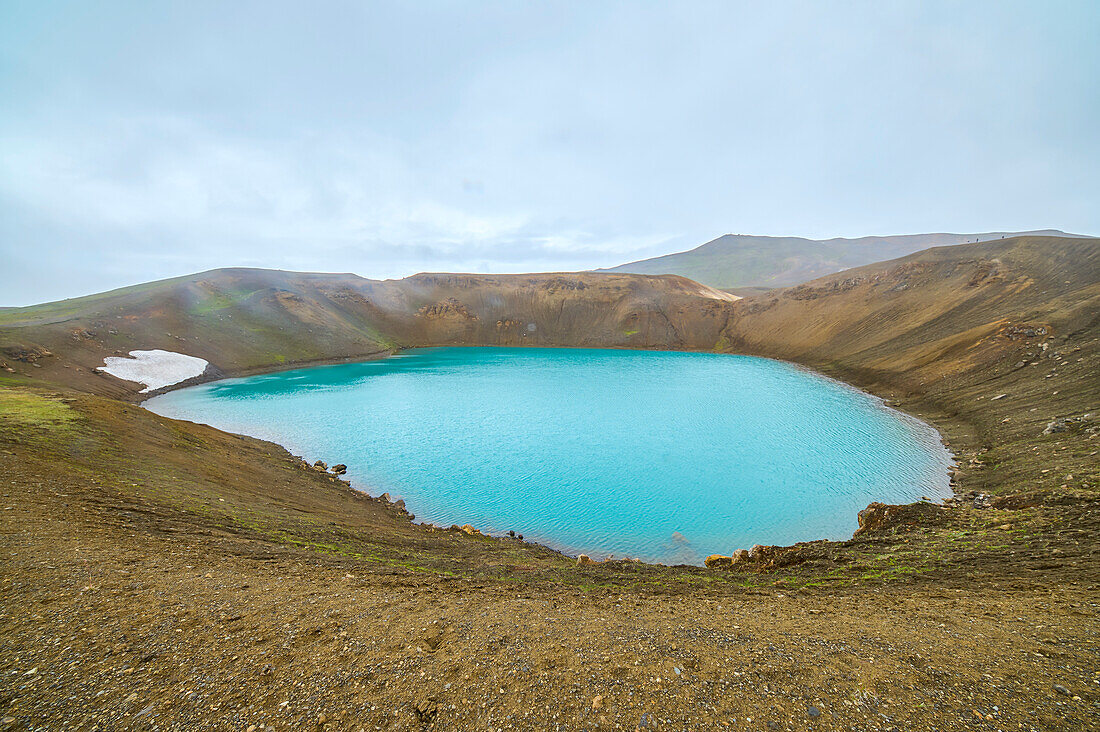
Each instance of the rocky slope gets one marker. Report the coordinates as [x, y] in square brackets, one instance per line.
[997, 343]
[248, 319]
[164, 575]
[737, 261]
[952, 325]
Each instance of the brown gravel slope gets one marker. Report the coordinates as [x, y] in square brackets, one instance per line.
[162, 575]
[992, 341]
[247, 320]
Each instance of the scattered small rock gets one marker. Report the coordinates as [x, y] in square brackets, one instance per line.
[1058, 425]
[426, 709]
[1062, 690]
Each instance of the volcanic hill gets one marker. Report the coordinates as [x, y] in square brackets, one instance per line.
[745, 263]
[159, 574]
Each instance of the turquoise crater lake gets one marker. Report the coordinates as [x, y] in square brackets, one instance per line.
[664, 456]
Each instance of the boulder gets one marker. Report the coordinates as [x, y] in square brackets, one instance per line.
[320, 465]
[765, 558]
[768, 556]
[339, 469]
[876, 516]
[717, 561]
[584, 560]
[426, 710]
[881, 516]
[1058, 425]
[27, 354]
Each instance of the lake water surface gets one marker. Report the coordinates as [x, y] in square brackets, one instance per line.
[664, 456]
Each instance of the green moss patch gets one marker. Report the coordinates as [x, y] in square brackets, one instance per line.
[23, 410]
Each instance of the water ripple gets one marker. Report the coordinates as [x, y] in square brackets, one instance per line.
[664, 456]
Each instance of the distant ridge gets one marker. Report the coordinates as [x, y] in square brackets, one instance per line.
[243, 319]
[744, 261]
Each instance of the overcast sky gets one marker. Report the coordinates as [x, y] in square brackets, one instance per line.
[150, 139]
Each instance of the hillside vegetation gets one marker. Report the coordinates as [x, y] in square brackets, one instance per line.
[737, 261]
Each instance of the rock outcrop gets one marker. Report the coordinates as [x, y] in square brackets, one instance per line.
[886, 517]
[717, 561]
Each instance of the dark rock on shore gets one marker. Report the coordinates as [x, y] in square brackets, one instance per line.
[717, 561]
[881, 516]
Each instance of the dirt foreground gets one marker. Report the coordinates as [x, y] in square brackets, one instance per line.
[142, 592]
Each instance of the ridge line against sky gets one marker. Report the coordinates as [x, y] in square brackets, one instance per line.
[140, 141]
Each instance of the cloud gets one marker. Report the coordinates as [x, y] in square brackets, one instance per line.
[167, 196]
[143, 140]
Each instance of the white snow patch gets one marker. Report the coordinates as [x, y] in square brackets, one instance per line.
[155, 369]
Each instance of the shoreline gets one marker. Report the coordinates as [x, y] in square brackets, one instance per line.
[215, 374]
[167, 573]
[882, 402]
